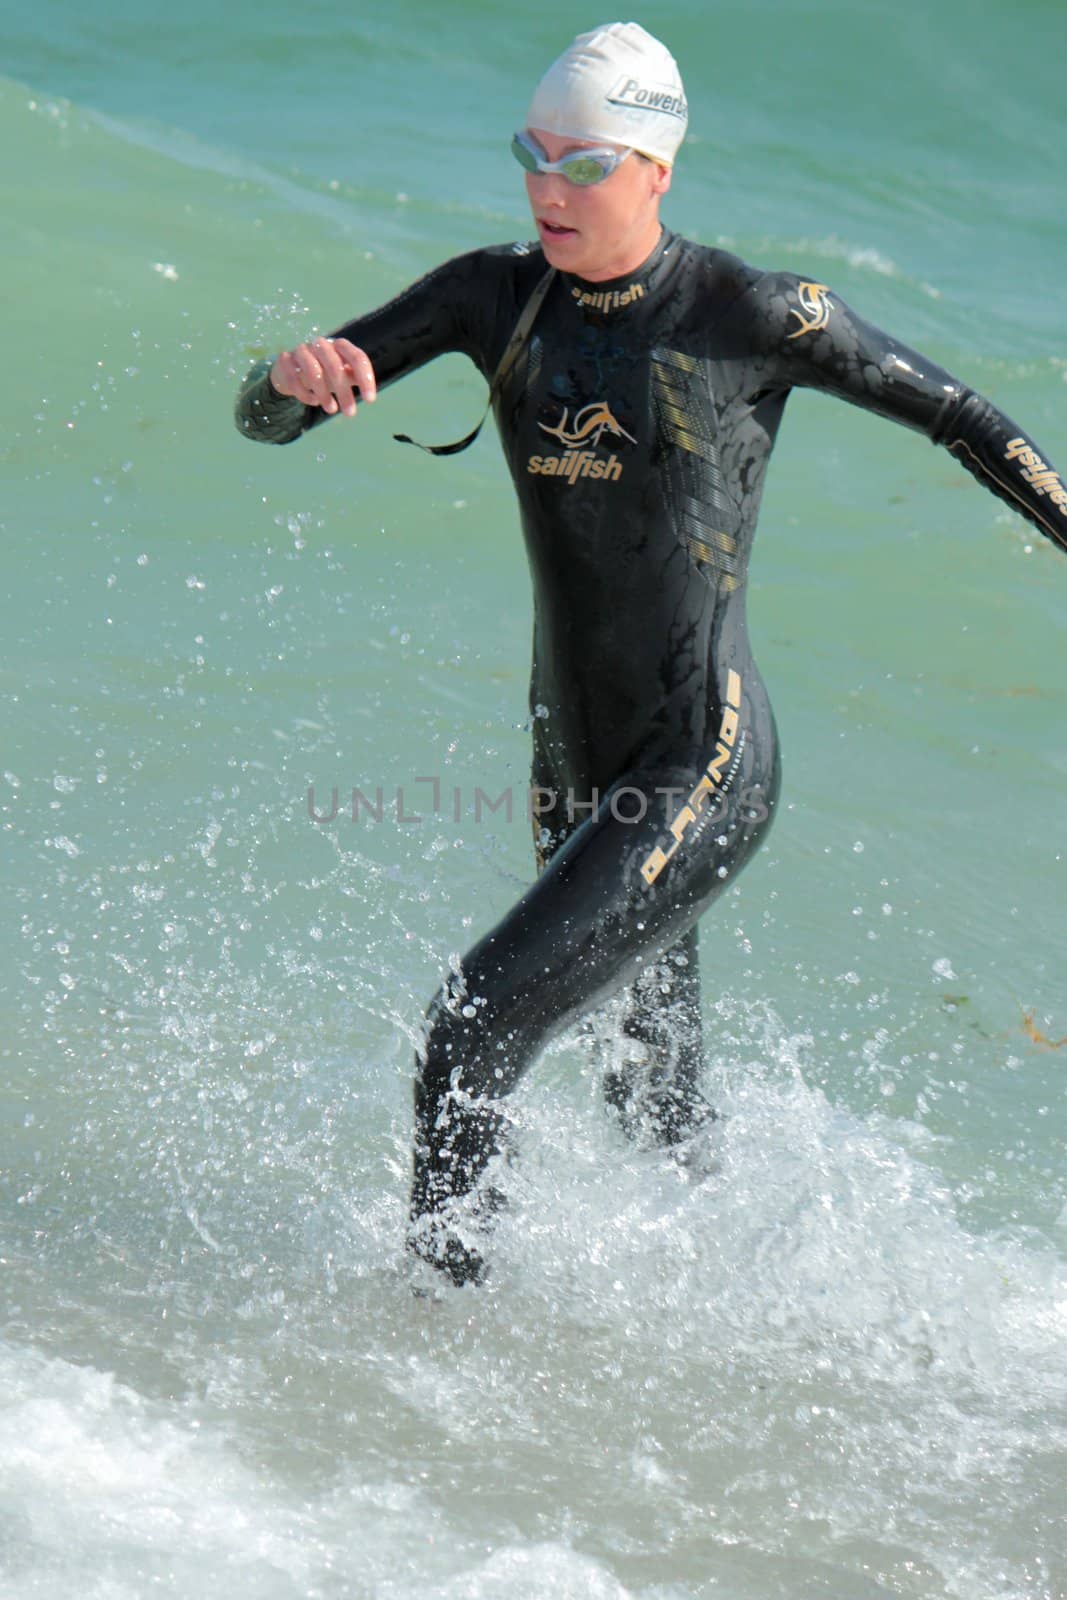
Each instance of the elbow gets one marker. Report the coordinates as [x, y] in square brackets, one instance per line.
[962, 413]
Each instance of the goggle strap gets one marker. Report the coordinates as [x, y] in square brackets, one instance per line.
[507, 361]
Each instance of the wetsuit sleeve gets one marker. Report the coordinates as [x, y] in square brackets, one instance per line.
[448, 310]
[814, 340]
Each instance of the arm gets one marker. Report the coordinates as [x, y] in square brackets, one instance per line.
[817, 342]
[436, 315]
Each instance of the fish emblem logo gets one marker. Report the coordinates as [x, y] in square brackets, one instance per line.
[814, 312]
[590, 424]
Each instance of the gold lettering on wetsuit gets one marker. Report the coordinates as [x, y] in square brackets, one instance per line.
[814, 310]
[574, 465]
[1037, 473]
[609, 299]
[589, 426]
[715, 779]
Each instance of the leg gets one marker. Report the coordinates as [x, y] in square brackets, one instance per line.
[597, 919]
[653, 1089]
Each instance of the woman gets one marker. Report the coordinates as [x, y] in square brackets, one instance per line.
[638, 381]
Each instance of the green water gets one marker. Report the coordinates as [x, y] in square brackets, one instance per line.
[838, 1368]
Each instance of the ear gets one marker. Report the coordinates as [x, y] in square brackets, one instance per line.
[662, 179]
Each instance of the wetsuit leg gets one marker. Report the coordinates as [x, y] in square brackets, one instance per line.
[652, 1068]
[651, 1087]
[621, 891]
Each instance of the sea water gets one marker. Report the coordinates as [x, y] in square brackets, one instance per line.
[838, 1365]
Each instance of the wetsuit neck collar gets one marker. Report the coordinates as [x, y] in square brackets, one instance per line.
[612, 294]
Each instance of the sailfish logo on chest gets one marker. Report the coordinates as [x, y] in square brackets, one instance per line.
[590, 423]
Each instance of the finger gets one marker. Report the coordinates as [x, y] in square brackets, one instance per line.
[318, 376]
[348, 369]
[301, 373]
[288, 376]
[358, 363]
[336, 377]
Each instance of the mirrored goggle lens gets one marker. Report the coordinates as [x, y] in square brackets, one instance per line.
[580, 169]
[584, 169]
[523, 154]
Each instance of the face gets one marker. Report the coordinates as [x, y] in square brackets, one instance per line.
[602, 230]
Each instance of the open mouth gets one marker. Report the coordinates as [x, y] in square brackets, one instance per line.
[555, 230]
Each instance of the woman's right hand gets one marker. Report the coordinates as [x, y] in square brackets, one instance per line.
[325, 372]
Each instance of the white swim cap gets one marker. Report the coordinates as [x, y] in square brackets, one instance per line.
[616, 83]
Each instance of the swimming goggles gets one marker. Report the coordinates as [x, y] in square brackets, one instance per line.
[582, 167]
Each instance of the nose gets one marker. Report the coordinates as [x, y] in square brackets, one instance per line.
[548, 188]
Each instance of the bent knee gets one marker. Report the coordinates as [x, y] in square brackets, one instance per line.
[479, 1045]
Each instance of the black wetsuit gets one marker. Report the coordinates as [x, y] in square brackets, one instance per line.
[637, 425]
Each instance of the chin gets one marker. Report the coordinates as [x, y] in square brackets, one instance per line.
[555, 256]
[565, 259]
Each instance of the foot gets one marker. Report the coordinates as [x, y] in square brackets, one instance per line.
[442, 1249]
[696, 1155]
[651, 1115]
